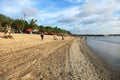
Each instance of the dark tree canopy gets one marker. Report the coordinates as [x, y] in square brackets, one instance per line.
[20, 24]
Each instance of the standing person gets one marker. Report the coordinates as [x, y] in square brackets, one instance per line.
[42, 36]
[62, 36]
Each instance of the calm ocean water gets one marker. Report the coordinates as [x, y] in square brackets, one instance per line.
[108, 48]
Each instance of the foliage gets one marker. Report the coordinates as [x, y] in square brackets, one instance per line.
[5, 21]
[32, 23]
[20, 24]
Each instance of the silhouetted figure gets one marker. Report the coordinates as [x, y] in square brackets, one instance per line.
[62, 36]
[42, 36]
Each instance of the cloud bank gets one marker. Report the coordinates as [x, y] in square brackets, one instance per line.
[78, 16]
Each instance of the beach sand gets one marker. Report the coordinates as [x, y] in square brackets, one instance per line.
[26, 57]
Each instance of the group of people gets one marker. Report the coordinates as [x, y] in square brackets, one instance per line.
[54, 37]
[8, 30]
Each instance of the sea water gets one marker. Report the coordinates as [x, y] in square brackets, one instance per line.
[108, 48]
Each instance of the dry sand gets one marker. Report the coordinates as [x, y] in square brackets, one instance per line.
[26, 57]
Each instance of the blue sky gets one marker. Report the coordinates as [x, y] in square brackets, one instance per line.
[77, 16]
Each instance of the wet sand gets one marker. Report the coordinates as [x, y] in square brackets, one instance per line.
[26, 57]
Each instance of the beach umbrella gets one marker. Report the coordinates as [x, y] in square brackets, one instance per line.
[29, 30]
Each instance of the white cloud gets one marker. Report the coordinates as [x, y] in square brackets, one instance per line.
[62, 16]
[95, 15]
[90, 15]
[30, 11]
[13, 8]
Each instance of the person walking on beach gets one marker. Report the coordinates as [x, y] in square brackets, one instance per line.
[62, 36]
[42, 36]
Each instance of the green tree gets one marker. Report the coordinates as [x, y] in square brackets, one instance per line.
[2, 20]
[19, 24]
[42, 28]
[49, 29]
[8, 21]
[22, 25]
[32, 23]
[26, 25]
[5, 22]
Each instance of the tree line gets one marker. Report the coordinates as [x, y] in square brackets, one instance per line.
[18, 25]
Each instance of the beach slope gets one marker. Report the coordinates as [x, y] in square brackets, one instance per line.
[26, 57]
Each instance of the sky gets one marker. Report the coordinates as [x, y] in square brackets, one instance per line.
[77, 16]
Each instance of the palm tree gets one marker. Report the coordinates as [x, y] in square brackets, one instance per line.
[19, 23]
[32, 23]
[9, 21]
[2, 19]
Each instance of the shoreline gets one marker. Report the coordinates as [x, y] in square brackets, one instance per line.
[102, 67]
[86, 65]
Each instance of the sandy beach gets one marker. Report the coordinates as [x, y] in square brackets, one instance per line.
[26, 57]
